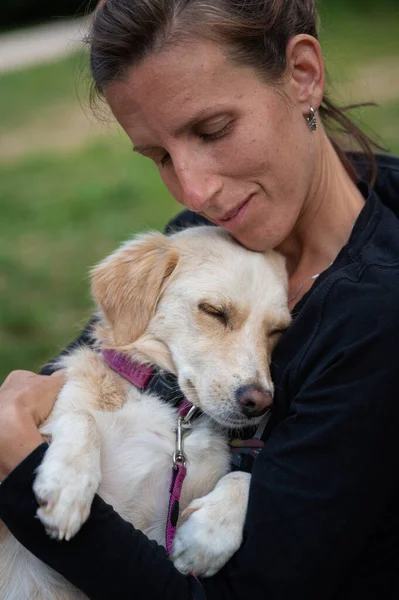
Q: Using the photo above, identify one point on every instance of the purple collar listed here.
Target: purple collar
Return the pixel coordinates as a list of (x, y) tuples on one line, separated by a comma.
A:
[(137, 373), (142, 376)]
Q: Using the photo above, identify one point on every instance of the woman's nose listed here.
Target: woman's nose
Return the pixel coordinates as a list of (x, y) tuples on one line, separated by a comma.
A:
[(199, 188)]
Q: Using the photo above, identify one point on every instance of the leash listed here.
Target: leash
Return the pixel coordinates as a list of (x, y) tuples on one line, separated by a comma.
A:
[(179, 472), (164, 385), (142, 376), (244, 452)]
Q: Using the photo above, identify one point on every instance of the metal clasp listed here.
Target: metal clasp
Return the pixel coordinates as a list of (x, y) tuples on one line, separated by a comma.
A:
[(183, 425), (178, 456), (186, 420)]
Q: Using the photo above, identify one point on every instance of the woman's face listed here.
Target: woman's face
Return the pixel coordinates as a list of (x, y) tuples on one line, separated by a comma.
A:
[(227, 145)]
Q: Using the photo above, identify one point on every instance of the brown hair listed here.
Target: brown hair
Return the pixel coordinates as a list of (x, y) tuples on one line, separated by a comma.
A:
[(254, 32)]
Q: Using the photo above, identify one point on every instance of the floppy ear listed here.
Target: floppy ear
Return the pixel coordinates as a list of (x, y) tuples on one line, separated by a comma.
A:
[(127, 284)]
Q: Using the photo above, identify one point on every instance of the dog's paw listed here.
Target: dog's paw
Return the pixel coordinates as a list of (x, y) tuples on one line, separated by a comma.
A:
[(211, 529), (64, 493)]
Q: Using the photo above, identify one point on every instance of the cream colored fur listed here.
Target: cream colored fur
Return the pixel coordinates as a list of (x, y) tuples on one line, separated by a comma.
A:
[(160, 301)]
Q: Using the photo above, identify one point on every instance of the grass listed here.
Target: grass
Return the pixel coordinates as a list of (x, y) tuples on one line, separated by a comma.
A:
[(63, 211), (28, 93), (352, 38), (60, 215)]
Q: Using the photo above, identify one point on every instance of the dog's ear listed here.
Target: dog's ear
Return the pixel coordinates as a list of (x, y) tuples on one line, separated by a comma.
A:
[(127, 284)]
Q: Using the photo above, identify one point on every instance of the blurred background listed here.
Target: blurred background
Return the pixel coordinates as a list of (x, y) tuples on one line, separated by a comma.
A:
[(70, 186)]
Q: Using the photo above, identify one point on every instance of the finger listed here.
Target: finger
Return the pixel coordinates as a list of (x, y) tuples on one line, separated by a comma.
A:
[(58, 376), (58, 373), (51, 385), (40, 404), (18, 376)]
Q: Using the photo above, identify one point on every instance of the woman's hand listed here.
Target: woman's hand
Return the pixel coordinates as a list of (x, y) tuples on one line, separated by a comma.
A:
[(26, 400)]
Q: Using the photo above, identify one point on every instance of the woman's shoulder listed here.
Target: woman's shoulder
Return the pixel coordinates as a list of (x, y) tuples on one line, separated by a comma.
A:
[(365, 273), (359, 298), (351, 316), (387, 176), (342, 344)]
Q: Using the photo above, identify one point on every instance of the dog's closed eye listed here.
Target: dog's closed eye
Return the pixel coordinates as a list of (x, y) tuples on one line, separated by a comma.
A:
[(216, 312), (277, 331)]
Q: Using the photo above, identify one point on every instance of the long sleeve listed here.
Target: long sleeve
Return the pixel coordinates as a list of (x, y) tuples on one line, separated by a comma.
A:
[(109, 558)]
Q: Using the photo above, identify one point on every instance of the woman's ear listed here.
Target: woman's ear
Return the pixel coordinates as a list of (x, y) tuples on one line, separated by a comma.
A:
[(127, 285), (305, 67)]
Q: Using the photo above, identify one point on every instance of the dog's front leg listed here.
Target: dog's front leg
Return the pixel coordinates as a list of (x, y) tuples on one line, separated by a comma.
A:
[(212, 527), (70, 473)]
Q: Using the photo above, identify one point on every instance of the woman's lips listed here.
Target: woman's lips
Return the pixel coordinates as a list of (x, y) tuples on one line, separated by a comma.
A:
[(235, 217)]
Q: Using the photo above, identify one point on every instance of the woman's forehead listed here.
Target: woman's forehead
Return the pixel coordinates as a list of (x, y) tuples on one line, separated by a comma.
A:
[(177, 70), (181, 84)]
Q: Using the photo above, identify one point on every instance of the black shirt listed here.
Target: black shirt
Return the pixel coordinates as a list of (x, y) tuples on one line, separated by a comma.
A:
[(323, 515)]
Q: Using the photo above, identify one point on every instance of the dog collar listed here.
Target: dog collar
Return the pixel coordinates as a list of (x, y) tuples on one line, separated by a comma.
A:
[(145, 377), (137, 373)]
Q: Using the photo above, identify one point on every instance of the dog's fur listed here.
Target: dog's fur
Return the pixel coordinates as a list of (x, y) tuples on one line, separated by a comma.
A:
[(196, 304)]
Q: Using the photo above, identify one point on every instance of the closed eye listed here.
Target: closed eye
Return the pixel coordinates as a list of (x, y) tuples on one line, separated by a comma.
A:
[(216, 135), (206, 137), (278, 331), (217, 313)]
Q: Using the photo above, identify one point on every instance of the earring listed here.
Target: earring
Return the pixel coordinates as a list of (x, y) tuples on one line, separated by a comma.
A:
[(311, 119)]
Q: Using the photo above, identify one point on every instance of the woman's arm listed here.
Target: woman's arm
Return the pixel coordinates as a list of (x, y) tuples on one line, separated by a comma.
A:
[(106, 543), (107, 559)]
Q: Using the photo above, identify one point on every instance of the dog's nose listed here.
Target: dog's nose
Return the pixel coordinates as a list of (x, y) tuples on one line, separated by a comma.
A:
[(254, 400)]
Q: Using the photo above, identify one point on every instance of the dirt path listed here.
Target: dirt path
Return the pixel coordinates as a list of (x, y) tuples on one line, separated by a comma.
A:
[(33, 45), (60, 129)]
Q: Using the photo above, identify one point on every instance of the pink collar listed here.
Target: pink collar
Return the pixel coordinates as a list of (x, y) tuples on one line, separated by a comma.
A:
[(137, 373)]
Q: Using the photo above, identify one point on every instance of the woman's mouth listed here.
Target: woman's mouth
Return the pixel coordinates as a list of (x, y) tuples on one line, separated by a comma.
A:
[(234, 217)]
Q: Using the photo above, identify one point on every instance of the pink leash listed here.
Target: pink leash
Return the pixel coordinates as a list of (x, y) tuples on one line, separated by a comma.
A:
[(140, 375)]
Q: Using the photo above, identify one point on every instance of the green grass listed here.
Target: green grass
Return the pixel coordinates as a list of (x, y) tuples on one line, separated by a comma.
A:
[(60, 215), (63, 211), (352, 38), (385, 121)]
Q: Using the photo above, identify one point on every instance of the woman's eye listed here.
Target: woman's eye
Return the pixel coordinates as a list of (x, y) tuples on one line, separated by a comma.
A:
[(215, 135), (212, 311)]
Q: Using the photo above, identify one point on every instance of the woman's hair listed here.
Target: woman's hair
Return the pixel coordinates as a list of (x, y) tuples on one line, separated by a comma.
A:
[(254, 33)]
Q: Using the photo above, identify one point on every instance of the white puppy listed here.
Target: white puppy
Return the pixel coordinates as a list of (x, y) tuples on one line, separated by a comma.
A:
[(197, 305)]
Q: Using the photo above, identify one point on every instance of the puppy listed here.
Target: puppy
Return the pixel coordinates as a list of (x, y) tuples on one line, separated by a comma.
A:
[(196, 305)]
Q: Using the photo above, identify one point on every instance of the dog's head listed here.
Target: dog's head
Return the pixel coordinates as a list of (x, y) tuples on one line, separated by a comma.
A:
[(203, 307)]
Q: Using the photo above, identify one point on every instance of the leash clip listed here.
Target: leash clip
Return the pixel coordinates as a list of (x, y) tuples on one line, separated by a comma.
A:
[(179, 458), (183, 424), (187, 418)]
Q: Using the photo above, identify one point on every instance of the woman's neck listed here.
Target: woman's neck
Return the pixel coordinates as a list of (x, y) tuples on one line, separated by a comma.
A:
[(325, 223)]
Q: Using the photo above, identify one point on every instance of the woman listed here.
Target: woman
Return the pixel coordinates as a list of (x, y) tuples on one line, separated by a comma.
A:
[(228, 99)]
